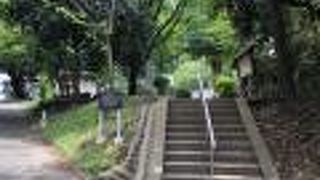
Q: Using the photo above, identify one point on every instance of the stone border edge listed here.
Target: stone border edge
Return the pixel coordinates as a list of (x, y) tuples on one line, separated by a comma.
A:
[(159, 138), (264, 157)]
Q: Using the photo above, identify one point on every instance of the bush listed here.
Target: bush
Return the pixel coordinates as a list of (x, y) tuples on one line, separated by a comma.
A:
[(182, 93), (46, 90), (185, 77), (162, 84), (225, 86)]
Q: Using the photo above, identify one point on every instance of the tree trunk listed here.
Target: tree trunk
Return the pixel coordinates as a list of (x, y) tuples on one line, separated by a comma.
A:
[(276, 13), (133, 76), (61, 86), (17, 83), (76, 83)]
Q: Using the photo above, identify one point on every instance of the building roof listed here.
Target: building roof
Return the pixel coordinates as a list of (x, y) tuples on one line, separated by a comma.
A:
[(244, 51)]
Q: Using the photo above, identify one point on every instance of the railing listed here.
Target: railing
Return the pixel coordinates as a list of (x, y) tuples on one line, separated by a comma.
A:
[(265, 94), (210, 129)]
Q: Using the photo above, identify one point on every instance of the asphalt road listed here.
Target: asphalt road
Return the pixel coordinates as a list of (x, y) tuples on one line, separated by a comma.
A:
[(23, 155)]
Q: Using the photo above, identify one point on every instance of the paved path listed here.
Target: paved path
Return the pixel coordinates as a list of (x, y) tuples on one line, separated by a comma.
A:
[(22, 154)]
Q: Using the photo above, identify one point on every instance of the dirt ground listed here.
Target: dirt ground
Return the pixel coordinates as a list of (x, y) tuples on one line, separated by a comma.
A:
[(292, 132)]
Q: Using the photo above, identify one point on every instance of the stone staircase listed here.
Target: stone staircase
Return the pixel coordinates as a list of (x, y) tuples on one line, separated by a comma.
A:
[(187, 151)]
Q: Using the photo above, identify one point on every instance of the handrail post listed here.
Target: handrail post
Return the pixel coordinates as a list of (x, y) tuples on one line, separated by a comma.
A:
[(210, 129)]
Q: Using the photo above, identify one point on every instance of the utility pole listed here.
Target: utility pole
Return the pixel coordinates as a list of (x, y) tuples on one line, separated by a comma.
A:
[(108, 24), (109, 33), (110, 29)]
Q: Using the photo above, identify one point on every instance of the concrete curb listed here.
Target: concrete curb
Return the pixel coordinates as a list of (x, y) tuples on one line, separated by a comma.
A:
[(155, 166), (143, 159), (268, 169)]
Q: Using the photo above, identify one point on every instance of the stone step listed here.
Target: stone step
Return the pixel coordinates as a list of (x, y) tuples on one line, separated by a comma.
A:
[(200, 110), (179, 120), (199, 120), (196, 102), (187, 150), (196, 115), (204, 167), (225, 156), (199, 128), (219, 105), (203, 135), (244, 145), (212, 105), (199, 107), (245, 156), (195, 145), (180, 145), (189, 176)]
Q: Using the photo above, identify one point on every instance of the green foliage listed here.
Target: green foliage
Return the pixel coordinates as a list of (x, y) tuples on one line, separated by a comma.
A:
[(182, 93), (94, 159), (64, 40), (305, 42), (225, 85), (213, 36), (146, 27), (290, 30), (206, 30), (46, 89), (224, 34), (162, 84), (14, 44), (185, 77), (73, 133), (140, 27), (3, 8), (200, 45)]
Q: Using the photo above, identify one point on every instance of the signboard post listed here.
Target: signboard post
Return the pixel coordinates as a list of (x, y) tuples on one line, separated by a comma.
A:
[(102, 127), (119, 138), (244, 62), (108, 101), (102, 116)]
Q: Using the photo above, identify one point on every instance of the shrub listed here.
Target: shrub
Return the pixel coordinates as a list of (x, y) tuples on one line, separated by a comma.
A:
[(46, 89), (162, 84), (182, 93), (225, 86), (185, 76)]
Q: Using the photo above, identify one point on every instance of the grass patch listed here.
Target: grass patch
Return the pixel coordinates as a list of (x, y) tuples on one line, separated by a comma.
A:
[(73, 133)]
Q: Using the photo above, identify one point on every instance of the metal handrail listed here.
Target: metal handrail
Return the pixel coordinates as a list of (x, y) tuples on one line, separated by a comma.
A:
[(210, 129)]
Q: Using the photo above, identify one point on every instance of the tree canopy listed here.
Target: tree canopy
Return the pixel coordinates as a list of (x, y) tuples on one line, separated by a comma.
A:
[(77, 32), (75, 35)]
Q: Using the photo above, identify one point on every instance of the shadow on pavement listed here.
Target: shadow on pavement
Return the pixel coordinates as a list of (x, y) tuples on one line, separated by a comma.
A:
[(16, 113)]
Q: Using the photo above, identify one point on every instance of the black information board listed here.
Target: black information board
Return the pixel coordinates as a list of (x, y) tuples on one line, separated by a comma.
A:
[(109, 100)]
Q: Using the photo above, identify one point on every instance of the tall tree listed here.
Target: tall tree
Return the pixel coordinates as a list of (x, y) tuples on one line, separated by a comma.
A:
[(277, 14), (267, 19), (145, 25), (79, 24), (16, 49)]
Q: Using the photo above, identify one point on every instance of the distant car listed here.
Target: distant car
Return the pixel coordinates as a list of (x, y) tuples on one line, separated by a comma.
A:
[(5, 87)]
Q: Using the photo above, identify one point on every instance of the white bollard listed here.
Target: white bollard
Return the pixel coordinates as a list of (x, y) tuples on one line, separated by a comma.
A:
[(44, 120)]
